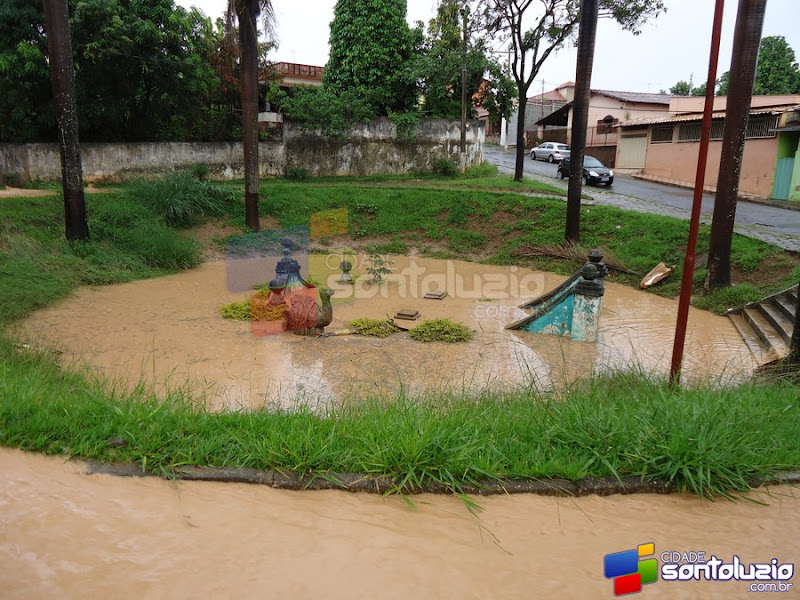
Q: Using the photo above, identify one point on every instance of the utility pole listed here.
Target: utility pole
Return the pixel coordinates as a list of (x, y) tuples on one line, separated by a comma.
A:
[(462, 159)]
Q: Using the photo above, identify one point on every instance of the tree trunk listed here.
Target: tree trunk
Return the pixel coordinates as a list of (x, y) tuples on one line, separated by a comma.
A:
[(746, 41), (520, 162), (62, 79), (248, 38), (794, 345), (587, 33)]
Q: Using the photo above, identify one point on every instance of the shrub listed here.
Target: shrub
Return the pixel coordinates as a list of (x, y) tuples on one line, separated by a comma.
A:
[(297, 173), (377, 267), (201, 172), (159, 246), (379, 328), (441, 330), (180, 198), (237, 311), (445, 166)]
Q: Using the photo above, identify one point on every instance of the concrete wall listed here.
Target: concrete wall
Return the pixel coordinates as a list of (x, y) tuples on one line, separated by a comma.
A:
[(126, 161), (695, 104), (374, 148), (676, 163), (367, 149)]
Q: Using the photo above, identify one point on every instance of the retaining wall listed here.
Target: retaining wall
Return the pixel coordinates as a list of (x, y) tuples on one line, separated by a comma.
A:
[(364, 150)]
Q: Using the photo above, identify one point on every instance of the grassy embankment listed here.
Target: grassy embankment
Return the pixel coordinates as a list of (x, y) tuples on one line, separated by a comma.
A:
[(704, 440)]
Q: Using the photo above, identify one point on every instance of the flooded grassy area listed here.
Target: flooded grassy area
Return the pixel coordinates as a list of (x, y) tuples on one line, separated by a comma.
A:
[(170, 331)]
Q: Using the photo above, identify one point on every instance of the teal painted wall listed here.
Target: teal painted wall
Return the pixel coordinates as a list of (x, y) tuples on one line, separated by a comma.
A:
[(788, 148), (556, 321)]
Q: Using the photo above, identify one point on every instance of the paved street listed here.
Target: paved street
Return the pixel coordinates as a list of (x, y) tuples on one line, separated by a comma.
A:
[(771, 224)]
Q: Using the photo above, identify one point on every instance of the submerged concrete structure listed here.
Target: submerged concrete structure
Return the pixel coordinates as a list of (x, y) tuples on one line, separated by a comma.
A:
[(573, 308)]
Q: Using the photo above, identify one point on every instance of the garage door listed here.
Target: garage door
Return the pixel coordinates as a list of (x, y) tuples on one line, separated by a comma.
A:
[(631, 152)]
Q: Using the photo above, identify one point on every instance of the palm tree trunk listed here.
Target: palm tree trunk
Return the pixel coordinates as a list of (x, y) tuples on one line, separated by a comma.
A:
[(62, 79), (248, 38)]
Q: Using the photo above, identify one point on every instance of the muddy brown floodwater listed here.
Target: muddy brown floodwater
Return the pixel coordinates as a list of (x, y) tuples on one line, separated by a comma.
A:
[(168, 331), (64, 534)]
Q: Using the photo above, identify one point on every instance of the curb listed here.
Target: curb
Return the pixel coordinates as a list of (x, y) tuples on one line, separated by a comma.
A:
[(784, 204), (354, 482)]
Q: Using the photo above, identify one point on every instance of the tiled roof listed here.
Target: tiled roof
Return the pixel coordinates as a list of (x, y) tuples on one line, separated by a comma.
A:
[(640, 97), (551, 95), (717, 114)]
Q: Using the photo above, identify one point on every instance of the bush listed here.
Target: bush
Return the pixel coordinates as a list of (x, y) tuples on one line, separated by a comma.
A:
[(237, 311), (379, 328), (445, 166), (159, 246), (180, 198), (441, 330), (297, 173), (201, 172)]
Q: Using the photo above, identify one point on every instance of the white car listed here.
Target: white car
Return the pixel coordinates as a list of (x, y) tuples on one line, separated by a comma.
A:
[(551, 152)]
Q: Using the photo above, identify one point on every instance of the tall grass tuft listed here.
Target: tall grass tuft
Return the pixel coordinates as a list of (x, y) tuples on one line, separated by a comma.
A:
[(181, 198)]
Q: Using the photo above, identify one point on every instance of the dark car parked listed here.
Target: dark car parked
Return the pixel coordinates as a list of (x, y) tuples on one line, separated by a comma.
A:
[(594, 172)]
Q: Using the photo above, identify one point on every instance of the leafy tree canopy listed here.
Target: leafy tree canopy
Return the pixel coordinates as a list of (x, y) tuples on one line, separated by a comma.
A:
[(777, 71), (371, 52), (143, 71), (439, 70)]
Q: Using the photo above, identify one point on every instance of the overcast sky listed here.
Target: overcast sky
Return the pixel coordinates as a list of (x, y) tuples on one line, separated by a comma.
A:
[(670, 48)]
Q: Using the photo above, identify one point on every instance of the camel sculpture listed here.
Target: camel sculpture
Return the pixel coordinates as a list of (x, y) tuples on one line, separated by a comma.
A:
[(304, 317)]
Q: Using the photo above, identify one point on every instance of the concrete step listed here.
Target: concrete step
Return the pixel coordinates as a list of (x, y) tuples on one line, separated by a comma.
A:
[(780, 323), (760, 351), (764, 331), (787, 305)]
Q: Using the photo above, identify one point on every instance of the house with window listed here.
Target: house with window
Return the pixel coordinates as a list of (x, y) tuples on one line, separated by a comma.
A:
[(538, 107), (666, 149), (607, 109)]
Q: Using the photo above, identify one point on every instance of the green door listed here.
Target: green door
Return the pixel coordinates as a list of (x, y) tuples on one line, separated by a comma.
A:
[(783, 178)]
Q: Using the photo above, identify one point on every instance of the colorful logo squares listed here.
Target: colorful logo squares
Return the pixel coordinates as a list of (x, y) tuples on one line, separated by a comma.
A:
[(629, 571)]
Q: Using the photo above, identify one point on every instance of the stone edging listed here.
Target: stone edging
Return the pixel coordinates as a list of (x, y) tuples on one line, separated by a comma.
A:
[(353, 482)]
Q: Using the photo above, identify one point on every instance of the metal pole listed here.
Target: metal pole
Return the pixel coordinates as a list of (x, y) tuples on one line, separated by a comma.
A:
[(688, 262), (587, 32), (463, 153)]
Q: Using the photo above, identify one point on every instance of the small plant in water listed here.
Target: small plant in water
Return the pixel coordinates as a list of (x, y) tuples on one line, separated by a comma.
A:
[(380, 328), (238, 311), (441, 330), (378, 267)]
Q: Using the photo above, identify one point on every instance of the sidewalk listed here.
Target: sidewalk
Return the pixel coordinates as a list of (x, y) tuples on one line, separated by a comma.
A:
[(785, 204)]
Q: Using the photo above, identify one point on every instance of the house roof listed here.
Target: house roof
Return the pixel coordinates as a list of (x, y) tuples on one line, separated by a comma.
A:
[(641, 97), (717, 114), (553, 95), (559, 117)]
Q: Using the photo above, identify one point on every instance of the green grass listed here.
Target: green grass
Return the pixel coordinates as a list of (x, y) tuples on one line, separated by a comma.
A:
[(133, 237), (707, 441)]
